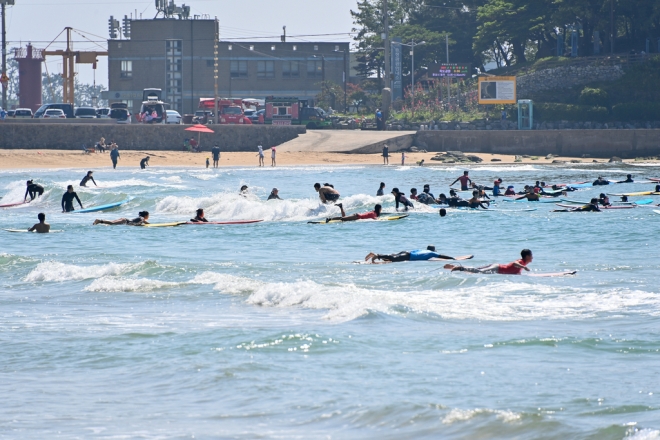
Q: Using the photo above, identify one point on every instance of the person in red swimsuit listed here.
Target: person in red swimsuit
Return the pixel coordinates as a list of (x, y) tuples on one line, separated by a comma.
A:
[(371, 215), (464, 179), (513, 268)]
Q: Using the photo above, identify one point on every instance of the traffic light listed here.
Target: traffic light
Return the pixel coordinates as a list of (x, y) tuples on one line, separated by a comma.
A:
[(112, 27), (126, 27)]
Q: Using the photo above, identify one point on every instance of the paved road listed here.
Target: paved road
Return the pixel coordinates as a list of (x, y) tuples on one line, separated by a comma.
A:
[(339, 140)]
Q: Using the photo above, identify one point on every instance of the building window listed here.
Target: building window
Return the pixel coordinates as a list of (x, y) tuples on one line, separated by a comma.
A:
[(229, 47), (238, 69), (316, 47), (126, 69), (295, 47), (251, 47), (314, 69), (290, 69), (265, 69), (272, 47)]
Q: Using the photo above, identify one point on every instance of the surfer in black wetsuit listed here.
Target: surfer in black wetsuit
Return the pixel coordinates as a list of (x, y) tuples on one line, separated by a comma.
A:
[(67, 199), (142, 218), (591, 207), (199, 218), (87, 178), (33, 189), (144, 162), (629, 179), (400, 198), (601, 181), (604, 200)]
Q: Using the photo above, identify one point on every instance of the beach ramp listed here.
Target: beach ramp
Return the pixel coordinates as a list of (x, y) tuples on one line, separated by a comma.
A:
[(348, 141)]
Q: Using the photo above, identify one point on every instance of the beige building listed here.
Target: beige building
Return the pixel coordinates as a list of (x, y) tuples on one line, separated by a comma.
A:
[(178, 57)]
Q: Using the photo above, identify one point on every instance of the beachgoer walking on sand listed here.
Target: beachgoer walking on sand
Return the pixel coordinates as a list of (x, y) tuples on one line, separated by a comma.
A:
[(114, 155), (215, 151), (261, 155), (273, 152), (403, 158), (386, 155)]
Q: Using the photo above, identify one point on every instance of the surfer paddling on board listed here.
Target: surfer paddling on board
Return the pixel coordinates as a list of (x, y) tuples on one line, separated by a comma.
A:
[(327, 193), (464, 179), (67, 199), (592, 206), (199, 218), (142, 218), (513, 268), (42, 227), (87, 178), (371, 215), (416, 255)]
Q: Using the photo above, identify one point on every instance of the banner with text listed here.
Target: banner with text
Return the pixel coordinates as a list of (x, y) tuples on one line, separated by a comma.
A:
[(449, 70), (397, 80)]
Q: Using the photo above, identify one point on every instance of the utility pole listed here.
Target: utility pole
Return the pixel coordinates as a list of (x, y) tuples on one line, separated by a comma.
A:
[(386, 41), (215, 69), (448, 79), (3, 78), (612, 27)]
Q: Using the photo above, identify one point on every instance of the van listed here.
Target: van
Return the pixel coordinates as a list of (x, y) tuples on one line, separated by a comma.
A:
[(119, 112), (66, 108)]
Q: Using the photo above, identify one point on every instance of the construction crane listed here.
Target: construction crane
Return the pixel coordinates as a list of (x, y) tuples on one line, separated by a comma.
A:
[(69, 58)]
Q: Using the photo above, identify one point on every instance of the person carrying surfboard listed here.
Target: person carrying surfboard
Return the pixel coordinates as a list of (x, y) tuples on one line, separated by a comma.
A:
[(33, 190), (67, 199), (373, 215), (464, 179), (42, 227), (513, 268), (87, 178), (327, 194), (415, 255), (140, 220)]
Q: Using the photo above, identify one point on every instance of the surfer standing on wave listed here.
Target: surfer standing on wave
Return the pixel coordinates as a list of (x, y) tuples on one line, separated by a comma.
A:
[(513, 268), (33, 190)]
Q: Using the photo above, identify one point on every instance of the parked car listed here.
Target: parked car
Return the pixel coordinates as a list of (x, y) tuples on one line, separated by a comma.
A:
[(66, 108), (103, 113), (119, 111), (11, 113), (254, 117), (202, 117), (54, 113), (85, 113), (173, 117), (23, 113)]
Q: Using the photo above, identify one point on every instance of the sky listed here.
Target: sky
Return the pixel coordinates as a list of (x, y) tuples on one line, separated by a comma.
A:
[(40, 21)]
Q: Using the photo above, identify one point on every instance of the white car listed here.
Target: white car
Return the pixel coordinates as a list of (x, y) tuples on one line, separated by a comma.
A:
[(173, 117), (23, 113), (54, 113), (103, 113)]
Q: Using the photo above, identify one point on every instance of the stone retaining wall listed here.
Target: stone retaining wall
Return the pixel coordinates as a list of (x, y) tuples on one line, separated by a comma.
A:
[(142, 137), (575, 143), (566, 77)]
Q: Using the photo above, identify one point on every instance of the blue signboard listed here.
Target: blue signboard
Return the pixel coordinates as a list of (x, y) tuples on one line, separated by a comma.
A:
[(397, 81)]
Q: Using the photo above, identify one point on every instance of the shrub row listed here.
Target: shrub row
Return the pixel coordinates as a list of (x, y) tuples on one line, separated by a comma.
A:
[(569, 112)]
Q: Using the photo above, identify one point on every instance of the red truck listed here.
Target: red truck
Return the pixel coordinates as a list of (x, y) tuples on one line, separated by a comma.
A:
[(231, 110)]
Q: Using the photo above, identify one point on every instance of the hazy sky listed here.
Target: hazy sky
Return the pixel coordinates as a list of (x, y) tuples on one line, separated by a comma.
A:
[(39, 22)]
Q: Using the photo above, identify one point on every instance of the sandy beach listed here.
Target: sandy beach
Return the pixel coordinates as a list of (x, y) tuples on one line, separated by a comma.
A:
[(17, 159)]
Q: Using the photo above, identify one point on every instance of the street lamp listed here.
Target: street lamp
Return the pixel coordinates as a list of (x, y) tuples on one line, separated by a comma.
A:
[(412, 46)]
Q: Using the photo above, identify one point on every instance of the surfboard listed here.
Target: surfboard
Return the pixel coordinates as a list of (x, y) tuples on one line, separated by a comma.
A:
[(380, 219), (657, 211), (462, 257), (9, 205), (541, 200), (105, 207), (652, 179), (601, 207), (635, 194), (580, 185), (33, 232), (566, 184), (231, 222), (163, 225), (552, 274), (506, 210)]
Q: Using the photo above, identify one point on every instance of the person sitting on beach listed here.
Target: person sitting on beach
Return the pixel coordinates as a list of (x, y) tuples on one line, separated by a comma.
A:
[(510, 191), (604, 200), (87, 178), (513, 268), (381, 189), (601, 181), (464, 179), (592, 206), (194, 146), (327, 193), (42, 227), (629, 179), (415, 255), (144, 163), (274, 195), (100, 145), (199, 218), (371, 215), (142, 218), (67, 199), (400, 199), (33, 190)]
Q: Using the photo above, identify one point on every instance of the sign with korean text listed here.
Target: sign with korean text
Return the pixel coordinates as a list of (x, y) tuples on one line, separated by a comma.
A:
[(497, 90)]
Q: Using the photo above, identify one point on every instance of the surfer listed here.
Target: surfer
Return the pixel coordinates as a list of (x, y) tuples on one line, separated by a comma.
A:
[(415, 255), (144, 163), (87, 178), (244, 191), (531, 195), (386, 155), (510, 191), (426, 197), (327, 193), (592, 206), (464, 179), (604, 200), (274, 195), (475, 202), (199, 218), (413, 194), (657, 188), (371, 215), (114, 155), (629, 179), (443, 212), (400, 198), (215, 151), (381, 189), (142, 218), (496, 188), (601, 181), (42, 227), (513, 268), (67, 199), (33, 190)]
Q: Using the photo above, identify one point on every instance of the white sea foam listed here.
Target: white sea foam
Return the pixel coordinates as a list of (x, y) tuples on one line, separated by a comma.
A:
[(112, 284), (172, 179), (644, 434), (53, 271), (462, 415)]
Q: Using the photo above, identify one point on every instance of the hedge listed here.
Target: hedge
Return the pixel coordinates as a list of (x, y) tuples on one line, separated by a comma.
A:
[(569, 112), (636, 111)]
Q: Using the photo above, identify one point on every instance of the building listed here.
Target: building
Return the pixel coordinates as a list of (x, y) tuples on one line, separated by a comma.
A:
[(177, 56)]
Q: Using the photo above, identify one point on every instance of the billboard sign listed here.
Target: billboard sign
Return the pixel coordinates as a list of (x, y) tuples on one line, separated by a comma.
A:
[(449, 70), (397, 82), (497, 90)]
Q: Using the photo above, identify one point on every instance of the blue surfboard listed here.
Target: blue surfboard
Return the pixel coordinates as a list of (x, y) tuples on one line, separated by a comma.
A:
[(103, 207)]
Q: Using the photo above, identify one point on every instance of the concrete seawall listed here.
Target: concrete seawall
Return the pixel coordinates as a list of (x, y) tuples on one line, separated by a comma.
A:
[(575, 143), (142, 137)]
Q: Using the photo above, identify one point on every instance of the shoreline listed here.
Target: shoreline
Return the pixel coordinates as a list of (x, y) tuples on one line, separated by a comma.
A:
[(49, 159)]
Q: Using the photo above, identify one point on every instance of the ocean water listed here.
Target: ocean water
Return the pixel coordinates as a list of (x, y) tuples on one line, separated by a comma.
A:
[(271, 330)]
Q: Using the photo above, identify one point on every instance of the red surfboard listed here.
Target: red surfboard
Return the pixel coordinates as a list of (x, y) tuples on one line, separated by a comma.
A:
[(9, 205)]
